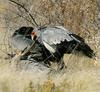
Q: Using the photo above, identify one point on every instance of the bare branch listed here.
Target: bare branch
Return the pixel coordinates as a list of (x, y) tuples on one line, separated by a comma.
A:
[(26, 11), (19, 15)]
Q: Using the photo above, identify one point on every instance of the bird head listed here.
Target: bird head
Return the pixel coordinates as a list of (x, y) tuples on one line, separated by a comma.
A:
[(24, 30)]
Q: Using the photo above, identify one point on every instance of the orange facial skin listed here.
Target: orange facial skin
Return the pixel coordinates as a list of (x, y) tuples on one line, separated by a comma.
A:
[(34, 35)]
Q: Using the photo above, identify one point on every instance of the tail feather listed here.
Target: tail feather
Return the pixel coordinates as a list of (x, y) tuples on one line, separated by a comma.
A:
[(86, 50), (69, 47)]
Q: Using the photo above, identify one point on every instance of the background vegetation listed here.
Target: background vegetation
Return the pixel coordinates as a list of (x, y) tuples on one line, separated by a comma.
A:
[(80, 16)]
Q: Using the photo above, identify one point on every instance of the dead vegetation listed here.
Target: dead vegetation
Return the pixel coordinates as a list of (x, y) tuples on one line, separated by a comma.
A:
[(80, 16)]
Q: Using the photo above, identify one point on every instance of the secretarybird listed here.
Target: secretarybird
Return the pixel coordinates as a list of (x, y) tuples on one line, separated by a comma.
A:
[(58, 40), (54, 42)]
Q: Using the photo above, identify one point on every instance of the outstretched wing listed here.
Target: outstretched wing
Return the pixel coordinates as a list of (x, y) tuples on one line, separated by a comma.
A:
[(20, 42), (55, 35)]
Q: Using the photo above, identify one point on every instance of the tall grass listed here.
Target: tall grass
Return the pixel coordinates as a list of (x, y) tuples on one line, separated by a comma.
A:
[(81, 75)]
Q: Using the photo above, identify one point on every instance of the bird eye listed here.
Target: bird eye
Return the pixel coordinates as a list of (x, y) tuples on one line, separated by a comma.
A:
[(33, 33)]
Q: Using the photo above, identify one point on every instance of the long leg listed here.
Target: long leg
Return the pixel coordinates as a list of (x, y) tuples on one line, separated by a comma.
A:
[(61, 64)]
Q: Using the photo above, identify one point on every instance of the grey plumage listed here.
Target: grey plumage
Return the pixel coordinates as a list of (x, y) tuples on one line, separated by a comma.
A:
[(59, 37), (21, 38), (51, 36), (20, 42)]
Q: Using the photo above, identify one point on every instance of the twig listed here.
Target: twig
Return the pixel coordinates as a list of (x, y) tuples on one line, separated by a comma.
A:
[(19, 16), (8, 54), (28, 49), (26, 11)]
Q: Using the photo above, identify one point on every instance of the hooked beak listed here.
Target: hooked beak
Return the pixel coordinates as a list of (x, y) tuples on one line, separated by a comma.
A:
[(33, 35)]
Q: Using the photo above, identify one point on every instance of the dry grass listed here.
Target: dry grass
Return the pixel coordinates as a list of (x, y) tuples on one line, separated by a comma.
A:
[(81, 75)]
